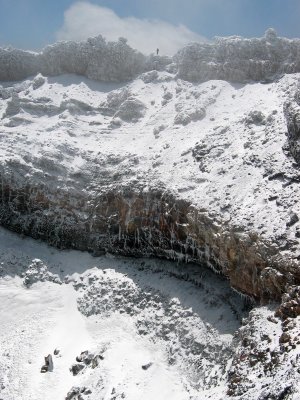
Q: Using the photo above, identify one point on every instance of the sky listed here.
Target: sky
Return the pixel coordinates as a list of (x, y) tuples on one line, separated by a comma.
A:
[(147, 24)]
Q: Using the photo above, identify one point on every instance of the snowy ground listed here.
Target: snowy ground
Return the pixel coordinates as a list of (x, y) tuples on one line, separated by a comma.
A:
[(138, 313)]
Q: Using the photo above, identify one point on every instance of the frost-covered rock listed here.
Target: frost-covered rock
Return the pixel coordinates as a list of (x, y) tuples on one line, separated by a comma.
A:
[(13, 106), (234, 58), (6, 93), (167, 96), (151, 76), (264, 365), (75, 106), (78, 393), (38, 272), (123, 106), (38, 81), (237, 59), (255, 117), (94, 58), (18, 64), (158, 63), (114, 100), (131, 110), (186, 116), (114, 61)]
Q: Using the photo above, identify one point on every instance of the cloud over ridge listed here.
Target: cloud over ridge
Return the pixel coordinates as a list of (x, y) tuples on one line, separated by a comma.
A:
[(84, 19)]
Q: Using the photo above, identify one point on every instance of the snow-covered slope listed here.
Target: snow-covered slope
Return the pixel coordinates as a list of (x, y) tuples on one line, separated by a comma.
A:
[(156, 166)]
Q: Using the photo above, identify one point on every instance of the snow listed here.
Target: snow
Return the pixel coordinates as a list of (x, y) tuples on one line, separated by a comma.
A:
[(46, 317), (221, 147)]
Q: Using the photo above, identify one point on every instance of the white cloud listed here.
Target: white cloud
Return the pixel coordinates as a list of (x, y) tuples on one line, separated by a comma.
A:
[(83, 20)]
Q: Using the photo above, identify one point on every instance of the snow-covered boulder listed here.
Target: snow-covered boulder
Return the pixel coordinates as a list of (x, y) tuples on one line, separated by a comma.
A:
[(131, 110), (38, 81), (38, 272), (187, 116), (13, 106)]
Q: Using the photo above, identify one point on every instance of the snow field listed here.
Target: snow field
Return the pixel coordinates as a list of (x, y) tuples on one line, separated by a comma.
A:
[(133, 312)]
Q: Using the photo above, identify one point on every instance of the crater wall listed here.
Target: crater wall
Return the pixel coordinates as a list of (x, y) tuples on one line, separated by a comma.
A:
[(136, 223)]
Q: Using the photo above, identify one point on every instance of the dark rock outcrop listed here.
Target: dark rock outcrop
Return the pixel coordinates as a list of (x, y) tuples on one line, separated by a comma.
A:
[(290, 306), (84, 360), (48, 366), (77, 393), (76, 368), (292, 114)]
